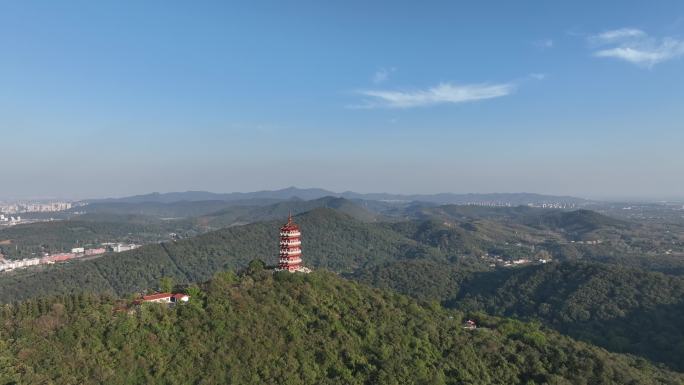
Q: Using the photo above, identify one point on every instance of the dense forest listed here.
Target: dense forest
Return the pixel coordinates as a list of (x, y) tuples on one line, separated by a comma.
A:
[(332, 240), (621, 309), (639, 243), (431, 259), (265, 328), (149, 222), (509, 232)]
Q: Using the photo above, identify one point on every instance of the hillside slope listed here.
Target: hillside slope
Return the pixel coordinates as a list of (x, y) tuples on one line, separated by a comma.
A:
[(265, 328), (250, 214), (246, 211), (624, 310), (331, 239), (30, 240), (576, 223)]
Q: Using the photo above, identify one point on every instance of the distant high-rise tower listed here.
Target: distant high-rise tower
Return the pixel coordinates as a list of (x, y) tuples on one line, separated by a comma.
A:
[(290, 258)]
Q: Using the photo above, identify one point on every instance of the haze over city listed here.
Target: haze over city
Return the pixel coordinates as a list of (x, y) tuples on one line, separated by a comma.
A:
[(113, 99)]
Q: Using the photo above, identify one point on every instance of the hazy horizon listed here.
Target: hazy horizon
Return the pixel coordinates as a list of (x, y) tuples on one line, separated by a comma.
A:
[(117, 99), (624, 198)]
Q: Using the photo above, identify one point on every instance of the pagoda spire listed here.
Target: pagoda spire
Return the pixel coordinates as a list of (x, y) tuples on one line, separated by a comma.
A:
[(290, 256)]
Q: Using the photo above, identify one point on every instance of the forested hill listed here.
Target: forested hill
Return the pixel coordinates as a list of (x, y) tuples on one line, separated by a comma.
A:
[(30, 240), (265, 328), (575, 223), (218, 213), (624, 310), (250, 214), (430, 259), (145, 223), (331, 239), (621, 309)]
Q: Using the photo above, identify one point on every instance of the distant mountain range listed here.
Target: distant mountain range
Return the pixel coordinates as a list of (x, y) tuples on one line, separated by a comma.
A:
[(269, 196)]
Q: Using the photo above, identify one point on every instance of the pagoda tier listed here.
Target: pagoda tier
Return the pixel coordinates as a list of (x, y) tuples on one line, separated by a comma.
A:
[(290, 257)]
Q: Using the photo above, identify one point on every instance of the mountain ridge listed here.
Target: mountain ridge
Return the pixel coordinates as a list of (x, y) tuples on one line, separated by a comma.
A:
[(315, 193)]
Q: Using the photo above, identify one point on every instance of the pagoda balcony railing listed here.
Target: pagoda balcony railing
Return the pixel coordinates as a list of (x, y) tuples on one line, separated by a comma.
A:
[(291, 243), (290, 233), (290, 252)]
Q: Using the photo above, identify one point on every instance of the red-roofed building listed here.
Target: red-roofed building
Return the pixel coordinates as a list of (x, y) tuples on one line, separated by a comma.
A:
[(470, 325), (178, 297), (159, 297), (166, 298)]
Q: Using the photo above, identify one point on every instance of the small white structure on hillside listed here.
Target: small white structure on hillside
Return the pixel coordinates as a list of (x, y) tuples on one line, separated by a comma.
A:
[(165, 298)]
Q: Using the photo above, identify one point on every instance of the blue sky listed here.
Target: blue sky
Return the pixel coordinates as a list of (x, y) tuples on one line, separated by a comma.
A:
[(114, 98)]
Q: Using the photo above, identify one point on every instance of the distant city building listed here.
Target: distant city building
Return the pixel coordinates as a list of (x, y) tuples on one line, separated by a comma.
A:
[(29, 207), (59, 257), (521, 261), (97, 251), (553, 205), (118, 248), (7, 265)]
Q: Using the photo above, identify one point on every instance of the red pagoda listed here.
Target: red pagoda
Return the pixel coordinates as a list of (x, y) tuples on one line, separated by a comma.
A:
[(290, 258)]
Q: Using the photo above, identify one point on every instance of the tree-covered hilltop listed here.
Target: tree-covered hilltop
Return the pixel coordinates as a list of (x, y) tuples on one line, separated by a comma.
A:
[(215, 213), (331, 240), (427, 259), (265, 328), (451, 231), (473, 238), (621, 309), (241, 215), (578, 234), (149, 222)]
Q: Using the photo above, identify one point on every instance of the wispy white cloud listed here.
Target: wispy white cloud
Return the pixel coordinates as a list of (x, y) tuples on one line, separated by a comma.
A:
[(439, 94), (537, 76), (544, 43), (648, 56), (636, 46), (382, 75), (617, 34)]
